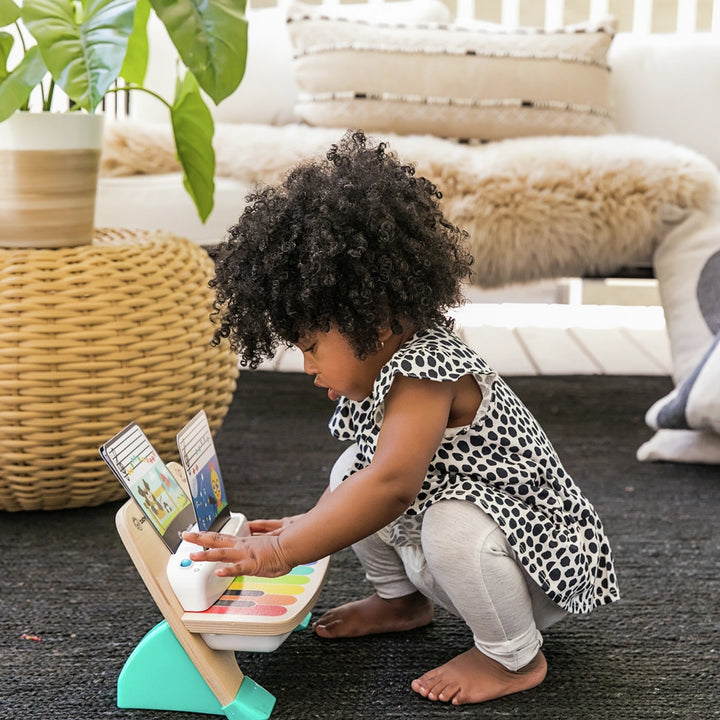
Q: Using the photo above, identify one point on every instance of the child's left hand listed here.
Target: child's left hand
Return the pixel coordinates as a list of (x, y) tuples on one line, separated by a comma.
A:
[(260, 555)]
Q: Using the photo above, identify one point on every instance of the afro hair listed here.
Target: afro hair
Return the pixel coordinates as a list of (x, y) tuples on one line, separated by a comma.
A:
[(354, 240)]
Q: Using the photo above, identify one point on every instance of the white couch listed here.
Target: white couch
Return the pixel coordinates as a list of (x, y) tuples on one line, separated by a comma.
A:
[(663, 86), (643, 191)]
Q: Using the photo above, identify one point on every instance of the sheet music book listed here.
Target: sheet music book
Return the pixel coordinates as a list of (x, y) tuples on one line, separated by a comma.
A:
[(145, 477), (200, 461)]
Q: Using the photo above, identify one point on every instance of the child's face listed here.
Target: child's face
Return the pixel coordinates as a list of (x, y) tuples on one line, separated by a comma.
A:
[(330, 357)]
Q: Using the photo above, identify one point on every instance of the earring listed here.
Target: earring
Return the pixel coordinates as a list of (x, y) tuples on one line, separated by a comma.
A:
[(382, 344)]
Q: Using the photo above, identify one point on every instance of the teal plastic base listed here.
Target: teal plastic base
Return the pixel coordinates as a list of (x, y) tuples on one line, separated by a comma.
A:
[(159, 675), (304, 624)]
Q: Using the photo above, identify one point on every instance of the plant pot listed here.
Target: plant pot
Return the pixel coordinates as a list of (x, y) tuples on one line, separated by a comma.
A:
[(49, 166)]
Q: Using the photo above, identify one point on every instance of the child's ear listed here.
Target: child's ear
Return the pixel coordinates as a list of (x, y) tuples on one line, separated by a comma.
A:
[(384, 334)]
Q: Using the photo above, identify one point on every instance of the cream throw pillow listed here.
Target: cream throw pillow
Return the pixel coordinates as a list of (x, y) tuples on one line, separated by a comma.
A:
[(450, 81)]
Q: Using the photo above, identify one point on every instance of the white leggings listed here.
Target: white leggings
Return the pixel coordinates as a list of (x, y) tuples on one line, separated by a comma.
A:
[(465, 564)]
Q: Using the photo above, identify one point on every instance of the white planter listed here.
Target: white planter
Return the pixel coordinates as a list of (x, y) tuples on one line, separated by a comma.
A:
[(49, 166)]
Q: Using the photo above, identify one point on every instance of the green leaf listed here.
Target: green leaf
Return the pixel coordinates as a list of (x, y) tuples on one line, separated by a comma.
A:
[(84, 54), (193, 129), (211, 37), (9, 12), (6, 43), (136, 59), (15, 89)]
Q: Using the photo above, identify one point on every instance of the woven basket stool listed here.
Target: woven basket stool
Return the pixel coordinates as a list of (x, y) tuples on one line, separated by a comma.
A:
[(92, 337)]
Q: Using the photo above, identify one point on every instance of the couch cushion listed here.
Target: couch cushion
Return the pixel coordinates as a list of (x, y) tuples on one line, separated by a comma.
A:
[(477, 83), (667, 85), (161, 201)]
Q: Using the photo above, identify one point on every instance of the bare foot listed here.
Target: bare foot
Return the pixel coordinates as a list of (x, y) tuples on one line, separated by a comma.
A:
[(473, 678), (375, 615)]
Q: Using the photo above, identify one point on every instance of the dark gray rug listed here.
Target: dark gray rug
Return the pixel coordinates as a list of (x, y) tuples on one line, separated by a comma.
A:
[(65, 577)]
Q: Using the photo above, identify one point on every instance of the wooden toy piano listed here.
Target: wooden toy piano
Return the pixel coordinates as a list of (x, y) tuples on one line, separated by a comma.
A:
[(187, 662)]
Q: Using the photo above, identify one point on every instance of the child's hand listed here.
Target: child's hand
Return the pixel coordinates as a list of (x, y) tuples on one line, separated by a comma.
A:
[(255, 555)]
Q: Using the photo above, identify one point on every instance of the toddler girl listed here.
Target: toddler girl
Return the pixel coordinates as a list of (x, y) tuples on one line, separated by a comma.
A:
[(450, 494)]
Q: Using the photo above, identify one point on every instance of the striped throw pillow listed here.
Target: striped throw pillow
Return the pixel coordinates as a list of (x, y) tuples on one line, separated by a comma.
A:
[(473, 84)]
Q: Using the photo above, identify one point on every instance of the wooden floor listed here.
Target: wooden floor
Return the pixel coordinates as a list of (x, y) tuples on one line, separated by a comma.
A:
[(542, 337)]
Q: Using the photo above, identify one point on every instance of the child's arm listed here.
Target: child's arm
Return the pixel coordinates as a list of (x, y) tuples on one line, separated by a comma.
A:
[(416, 414)]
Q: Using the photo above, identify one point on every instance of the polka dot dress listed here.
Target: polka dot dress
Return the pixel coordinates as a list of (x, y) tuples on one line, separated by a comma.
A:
[(503, 462)]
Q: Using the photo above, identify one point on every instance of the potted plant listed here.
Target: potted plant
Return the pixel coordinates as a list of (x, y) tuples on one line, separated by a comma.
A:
[(91, 48)]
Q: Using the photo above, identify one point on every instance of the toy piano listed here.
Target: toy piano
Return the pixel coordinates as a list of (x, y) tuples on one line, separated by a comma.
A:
[(187, 662)]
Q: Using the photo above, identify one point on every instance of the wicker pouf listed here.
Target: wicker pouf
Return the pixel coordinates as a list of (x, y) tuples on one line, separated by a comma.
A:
[(92, 337)]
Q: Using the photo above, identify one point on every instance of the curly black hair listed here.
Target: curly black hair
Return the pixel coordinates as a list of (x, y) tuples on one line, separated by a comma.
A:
[(354, 240)]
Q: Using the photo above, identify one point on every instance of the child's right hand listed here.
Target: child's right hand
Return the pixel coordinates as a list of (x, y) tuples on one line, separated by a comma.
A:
[(261, 555), (272, 527)]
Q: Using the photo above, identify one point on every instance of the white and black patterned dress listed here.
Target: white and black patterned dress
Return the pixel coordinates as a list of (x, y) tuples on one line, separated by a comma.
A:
[(503, 462)]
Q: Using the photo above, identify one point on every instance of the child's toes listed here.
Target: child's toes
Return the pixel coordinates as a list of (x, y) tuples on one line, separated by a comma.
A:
[(421, 686), (436, 686), (429, 686), (448, 691)]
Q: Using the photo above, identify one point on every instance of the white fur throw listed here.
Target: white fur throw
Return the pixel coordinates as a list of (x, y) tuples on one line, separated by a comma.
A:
[(534, 207)]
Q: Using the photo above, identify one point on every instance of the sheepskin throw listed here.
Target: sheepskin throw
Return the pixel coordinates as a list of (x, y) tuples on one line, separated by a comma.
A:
[(533, 207)]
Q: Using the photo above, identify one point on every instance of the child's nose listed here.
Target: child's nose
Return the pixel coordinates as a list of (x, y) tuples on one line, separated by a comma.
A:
[(309, 365)]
